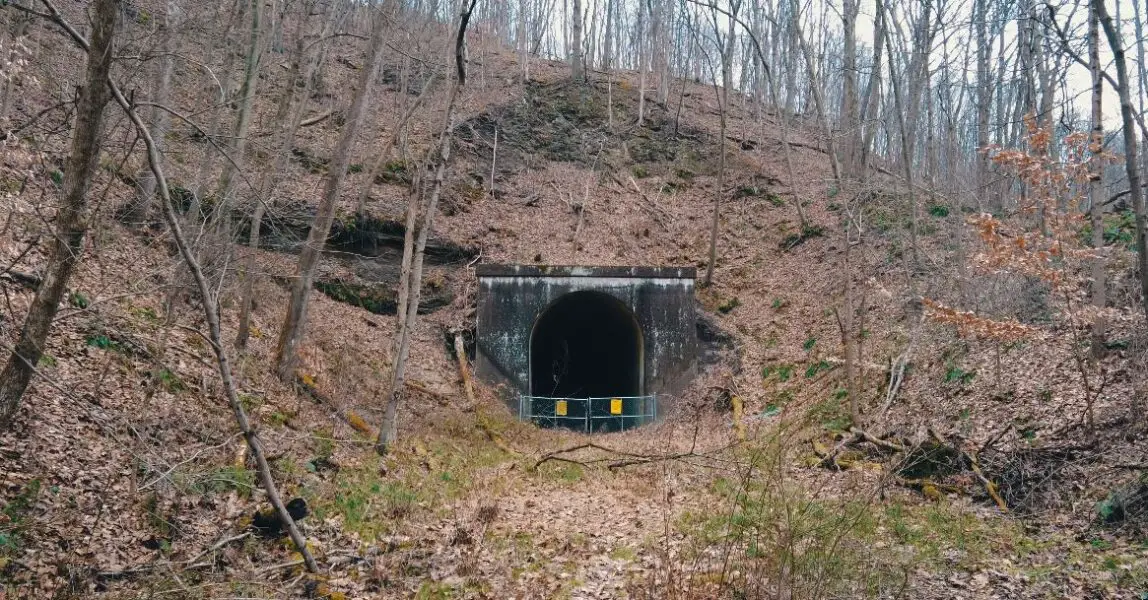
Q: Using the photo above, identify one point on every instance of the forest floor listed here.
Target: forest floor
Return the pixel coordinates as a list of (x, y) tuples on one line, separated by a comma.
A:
[(123, 476)]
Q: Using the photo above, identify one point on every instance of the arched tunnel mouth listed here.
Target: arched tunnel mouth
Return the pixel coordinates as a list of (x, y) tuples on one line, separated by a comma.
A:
[(586, 362)]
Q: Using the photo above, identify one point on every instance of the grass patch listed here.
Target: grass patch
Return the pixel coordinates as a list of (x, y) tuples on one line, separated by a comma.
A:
[(851, 546), (625, 553), (831, 414), (941, 534), (763, 524), (939, 210), (728, 305), (417, 479), (218, 481), (77, 299), (820, 366), (16, 514), (168, 380), (807, 233), (103, 342), (564, 472), (783, 371), (957, 374)]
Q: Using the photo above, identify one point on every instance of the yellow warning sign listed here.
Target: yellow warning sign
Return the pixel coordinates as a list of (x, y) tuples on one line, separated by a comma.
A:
[(615, 406), (560, 408)]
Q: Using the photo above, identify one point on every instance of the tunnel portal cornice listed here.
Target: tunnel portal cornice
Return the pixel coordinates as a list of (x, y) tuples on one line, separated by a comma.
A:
[(548, 271)]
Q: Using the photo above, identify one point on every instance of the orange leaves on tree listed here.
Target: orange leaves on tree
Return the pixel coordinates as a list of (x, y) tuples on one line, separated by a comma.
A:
[(969, 324), (1052, 181)]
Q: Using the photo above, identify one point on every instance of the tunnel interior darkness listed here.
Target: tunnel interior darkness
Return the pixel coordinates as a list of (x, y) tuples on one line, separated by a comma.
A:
[(587, 344)]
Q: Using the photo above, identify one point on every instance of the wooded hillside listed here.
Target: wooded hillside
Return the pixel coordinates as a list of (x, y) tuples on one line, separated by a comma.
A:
[(239, 242)]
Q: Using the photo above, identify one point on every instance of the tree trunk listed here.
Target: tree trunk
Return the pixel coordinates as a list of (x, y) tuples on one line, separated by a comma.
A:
[(872, 92), (608, 42), (849, 87), (246, 107), (1131, 162), (290, 114), (72, 220), (848, 338), (215, 336), (385, 154), (160, 119), (1096, 186), (410, 283), (295, 322), (577, 66), (727, 49), (224, 89), (641, 42), (907, 110), (984, 97), (818, 100)]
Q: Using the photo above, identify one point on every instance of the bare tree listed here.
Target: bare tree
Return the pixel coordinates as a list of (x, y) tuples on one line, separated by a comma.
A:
[(849, 86), (1096, 186), (725, 35), (577, 64), (420, 212), (1131, 162), (73, 219), (984, 94), (908, 108), (870, 100), (384, 155), (295, 322), (207, 299), (160, 118), (816, 91), (289, 112), (247, 93)]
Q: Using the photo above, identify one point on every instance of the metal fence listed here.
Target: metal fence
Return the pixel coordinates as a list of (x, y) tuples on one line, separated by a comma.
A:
[(589, 414)]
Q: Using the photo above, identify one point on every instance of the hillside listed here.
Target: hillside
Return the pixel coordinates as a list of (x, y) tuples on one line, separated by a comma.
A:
[(123, 475)]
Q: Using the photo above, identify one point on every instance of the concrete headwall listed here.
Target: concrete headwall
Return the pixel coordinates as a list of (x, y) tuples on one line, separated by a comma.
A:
[(511, 298)]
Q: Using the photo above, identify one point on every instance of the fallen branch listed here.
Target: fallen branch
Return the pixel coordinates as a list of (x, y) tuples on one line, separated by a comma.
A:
[(872, 366), (27, 280), (626, 458), (217, 546), (443, 399), (876, 441), (316, 119), (648, 460), (858, 435), (975, 466), (897, 368), (286, 565)]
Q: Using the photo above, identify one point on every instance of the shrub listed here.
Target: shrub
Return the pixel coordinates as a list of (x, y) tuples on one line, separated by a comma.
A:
[(939, 210)]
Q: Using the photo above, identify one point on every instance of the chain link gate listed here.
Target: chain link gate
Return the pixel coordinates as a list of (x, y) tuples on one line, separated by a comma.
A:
[(589, 415)]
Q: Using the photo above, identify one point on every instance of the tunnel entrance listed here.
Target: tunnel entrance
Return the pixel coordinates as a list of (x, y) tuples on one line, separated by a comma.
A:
[(587, 348)]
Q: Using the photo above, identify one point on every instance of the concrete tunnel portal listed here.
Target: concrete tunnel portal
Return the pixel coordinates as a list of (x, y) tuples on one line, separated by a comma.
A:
[(587, 348)]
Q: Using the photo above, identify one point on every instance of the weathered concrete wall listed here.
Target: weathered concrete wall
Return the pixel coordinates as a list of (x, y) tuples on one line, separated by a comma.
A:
[(511, 298)]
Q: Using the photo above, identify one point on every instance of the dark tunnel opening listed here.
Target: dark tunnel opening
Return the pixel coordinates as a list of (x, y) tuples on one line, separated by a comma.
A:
[(587, 345)]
